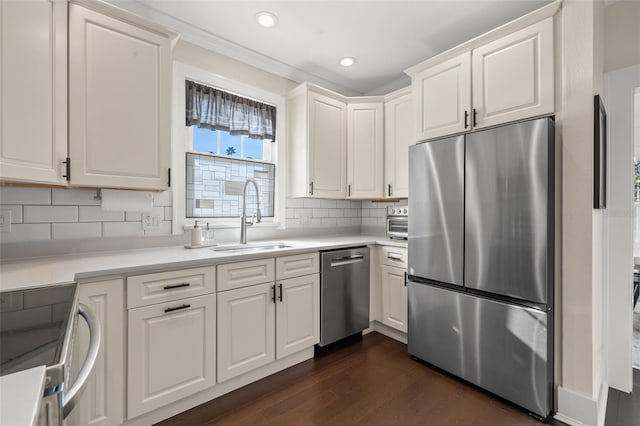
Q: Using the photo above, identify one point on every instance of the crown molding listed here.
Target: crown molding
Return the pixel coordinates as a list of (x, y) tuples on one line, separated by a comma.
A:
[(210, 41)]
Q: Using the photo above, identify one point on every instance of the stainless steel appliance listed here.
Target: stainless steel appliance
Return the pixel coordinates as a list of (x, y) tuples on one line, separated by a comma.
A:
[(344, 293), (39, 328), (398, 222), (481, 237)]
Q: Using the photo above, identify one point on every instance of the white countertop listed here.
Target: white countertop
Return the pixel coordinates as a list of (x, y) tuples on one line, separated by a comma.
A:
[(20, 396), (16, 275)]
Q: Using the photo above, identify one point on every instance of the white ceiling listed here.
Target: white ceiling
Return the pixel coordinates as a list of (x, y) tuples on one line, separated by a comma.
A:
[(386, 37)]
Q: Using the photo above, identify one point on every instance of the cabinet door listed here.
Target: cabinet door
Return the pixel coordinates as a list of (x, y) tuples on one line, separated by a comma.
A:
[(327, 147), (171, 352), (33, 88), (246, 329), (297, 314), (364, 150), (399, 127), (443, 97), (102, 401), (394, 298), (513, 76), (119, 103)]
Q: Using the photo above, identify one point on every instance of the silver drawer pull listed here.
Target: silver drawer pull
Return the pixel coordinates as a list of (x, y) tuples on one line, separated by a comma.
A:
[(177, 308), (172, 286), (394, 256)]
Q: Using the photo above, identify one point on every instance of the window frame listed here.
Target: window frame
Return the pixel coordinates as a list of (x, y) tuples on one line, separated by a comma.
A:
[(182, 142)]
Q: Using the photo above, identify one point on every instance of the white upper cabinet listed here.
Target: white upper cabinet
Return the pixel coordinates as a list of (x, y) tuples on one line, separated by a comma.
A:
[(119, 102), (365, 150), (513, 76), (399, 133), (318, 144), (443, 97), (33, 88)]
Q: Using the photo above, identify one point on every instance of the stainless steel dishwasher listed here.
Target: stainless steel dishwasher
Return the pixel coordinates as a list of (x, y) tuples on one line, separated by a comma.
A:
[(344, 293)]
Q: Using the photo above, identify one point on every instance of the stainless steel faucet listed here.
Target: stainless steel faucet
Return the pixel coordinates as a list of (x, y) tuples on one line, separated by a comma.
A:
[(243, 218)]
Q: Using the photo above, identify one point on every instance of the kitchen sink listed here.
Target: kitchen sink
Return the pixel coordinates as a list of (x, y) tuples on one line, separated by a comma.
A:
[(250, 248)]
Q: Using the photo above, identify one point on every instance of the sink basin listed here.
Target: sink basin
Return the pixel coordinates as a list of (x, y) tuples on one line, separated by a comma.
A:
[(250, 248)]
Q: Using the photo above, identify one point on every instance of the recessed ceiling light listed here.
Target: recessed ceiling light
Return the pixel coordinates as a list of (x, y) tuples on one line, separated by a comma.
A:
[(266, 19), (347, 61)]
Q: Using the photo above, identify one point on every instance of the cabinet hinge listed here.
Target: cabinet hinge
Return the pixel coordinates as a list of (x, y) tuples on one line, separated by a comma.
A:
[(67, 174), (169, 177)]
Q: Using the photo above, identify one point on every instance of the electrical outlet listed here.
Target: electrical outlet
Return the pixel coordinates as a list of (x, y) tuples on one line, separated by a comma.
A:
[(5, 220), (150, 222)]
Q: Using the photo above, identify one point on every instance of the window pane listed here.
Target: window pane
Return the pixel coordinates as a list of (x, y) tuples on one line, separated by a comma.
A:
[(204, 140), (214, 186), (230, 144), (253, 148)]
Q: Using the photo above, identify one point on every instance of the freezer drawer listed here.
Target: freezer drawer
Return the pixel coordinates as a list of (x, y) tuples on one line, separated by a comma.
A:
[(503, 348), (344, 293)]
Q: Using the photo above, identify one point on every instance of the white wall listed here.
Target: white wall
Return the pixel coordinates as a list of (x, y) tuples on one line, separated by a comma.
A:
[(622, 36), (619, 93), (582, 391)]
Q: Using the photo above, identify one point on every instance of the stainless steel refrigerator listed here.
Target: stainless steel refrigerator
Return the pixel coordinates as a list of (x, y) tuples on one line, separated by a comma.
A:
[(481, 241)]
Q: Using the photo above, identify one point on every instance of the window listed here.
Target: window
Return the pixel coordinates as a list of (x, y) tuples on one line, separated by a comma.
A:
[(231, 138), (201, 151)]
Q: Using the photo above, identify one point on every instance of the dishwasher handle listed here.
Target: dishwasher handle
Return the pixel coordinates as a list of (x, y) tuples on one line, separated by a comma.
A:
[(347, 260), (70, 398)]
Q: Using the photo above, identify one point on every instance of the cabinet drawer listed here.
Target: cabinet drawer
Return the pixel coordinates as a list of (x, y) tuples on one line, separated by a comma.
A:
[(297, 265), (394, 256), (242, 274), (143, 290)]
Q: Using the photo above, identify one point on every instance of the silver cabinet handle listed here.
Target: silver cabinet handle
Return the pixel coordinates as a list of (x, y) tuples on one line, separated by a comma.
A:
[(70, 398)]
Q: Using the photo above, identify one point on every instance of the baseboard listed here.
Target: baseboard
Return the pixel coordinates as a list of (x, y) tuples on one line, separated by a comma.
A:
[(387, 331), (578, 410)]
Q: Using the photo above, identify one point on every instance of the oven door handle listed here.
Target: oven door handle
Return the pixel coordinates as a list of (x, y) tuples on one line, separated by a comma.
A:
[(70, 397)]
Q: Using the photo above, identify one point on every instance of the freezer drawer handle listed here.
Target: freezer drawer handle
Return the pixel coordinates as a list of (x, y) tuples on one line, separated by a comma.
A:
[(172, 286), (177, 308), (347, 260)]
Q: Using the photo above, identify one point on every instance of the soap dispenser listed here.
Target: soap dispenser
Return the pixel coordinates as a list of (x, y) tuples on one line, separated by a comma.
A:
[(196, 235)]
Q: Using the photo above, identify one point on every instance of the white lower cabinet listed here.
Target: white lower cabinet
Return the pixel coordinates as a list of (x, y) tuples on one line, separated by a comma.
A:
[(246, 329), (102, 401), (394, 298), (261, 323), (171, 352), (297, 314)]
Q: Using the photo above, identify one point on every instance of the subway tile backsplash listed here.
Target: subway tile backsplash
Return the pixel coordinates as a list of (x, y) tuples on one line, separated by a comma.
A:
[(40, 214)]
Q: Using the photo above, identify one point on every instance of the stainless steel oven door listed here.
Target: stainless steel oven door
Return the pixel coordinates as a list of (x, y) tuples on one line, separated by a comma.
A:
[(60, 396), (398, 227)]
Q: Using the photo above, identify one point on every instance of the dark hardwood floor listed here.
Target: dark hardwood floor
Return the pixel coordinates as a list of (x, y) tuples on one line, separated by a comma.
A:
[(370, 381), (624, 409)]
